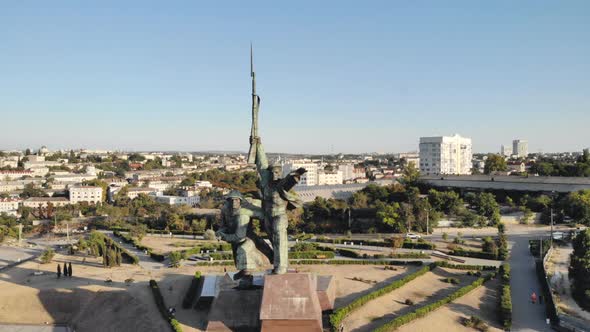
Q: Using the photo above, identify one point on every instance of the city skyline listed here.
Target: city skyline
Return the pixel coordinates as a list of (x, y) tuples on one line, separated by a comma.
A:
[(336, 78)]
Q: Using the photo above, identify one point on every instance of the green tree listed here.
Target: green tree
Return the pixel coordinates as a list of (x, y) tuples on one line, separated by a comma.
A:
[(577, 205), (494, 163), (579, 269), (138, 231), (410, 175), (485, 205), (175, 258), (388, 215), (47, 256)]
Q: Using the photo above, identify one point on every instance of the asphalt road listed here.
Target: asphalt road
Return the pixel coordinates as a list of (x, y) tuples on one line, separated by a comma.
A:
[(526, 316)]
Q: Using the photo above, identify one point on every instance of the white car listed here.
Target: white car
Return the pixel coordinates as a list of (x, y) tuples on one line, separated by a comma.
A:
[(412, 236)]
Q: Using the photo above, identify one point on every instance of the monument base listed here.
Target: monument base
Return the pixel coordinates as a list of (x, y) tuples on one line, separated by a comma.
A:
[(285, 302)]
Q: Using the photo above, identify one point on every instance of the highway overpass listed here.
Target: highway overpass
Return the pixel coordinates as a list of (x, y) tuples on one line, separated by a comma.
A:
[(516, 183)]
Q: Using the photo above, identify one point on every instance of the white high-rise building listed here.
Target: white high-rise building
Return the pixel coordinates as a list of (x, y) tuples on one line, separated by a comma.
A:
[(506, 151), (445, 155), (520, 148), (310, 178), (347, 171)]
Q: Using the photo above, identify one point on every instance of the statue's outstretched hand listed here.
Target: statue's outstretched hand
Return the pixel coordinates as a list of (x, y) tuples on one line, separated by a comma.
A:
[(300, 171)]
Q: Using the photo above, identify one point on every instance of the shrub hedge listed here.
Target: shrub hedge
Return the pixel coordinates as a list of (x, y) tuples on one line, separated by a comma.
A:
[(313, 254), (465, 267), (506, 307), (162, 306), (424, 310), (473, 254), (408, 244), (192, 291), (339, 315), (325, 261)]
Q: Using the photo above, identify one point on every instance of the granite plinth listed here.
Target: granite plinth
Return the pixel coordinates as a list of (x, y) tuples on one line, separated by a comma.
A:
[(235, 310), (290, 303), (326, 290)]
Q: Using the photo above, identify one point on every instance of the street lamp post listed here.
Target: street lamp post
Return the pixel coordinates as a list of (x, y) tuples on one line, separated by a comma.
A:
[(427, 220)]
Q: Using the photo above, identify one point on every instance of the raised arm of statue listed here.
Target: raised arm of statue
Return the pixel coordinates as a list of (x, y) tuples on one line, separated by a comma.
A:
[(262, 165)]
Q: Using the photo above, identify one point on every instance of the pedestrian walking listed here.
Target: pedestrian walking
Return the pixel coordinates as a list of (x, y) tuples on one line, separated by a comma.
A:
[(534, 298)]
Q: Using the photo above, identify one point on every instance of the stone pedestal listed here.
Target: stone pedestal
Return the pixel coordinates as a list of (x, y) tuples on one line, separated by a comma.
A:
[(235, 310), (290, 303), (287, 302)]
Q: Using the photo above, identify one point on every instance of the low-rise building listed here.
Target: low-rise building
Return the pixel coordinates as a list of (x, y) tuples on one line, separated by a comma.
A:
[(9, 205), (13, 175), (329, 178), (89, 194), (134, 192), (178, 200), (36, 202)]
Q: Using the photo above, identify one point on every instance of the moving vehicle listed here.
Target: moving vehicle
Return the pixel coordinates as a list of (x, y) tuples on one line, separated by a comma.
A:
[(412, 236)]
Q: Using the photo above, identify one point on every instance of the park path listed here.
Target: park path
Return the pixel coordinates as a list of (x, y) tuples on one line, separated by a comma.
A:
[(525, 315)]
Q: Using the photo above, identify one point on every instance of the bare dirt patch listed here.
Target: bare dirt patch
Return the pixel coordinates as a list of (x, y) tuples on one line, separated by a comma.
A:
[(481, 302), (424, 289), (165, 245), (85, 301)]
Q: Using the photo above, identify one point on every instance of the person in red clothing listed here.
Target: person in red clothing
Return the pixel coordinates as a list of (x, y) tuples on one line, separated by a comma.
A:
[(534, 298)]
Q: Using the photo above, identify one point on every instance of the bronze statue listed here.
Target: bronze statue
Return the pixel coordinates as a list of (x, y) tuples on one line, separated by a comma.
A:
[(248, 249), (276, 198), (271, 210)]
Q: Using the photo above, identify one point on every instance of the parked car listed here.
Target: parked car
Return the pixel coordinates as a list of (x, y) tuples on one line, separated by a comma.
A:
[(412, 236)]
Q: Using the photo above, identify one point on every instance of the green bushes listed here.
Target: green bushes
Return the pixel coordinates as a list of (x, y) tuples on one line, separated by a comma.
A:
[(475, 323), (473, 254), (465, 267), (348, 253), (338, 316), (47, 256), (192, 291), (506, 307), (423, 311), (355, 254), (449, 280), (505, 311), (162, 306), (221, 256), (326, 261), (314, 254), (505, 273), (175, 258), (409, 244), (416, 255), (157, 257)]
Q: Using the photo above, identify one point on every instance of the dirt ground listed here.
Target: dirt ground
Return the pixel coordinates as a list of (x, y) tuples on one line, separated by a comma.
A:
[(424, 289), (164, 245), (85, 301), (174, 287), (481, 302), (557, 269)]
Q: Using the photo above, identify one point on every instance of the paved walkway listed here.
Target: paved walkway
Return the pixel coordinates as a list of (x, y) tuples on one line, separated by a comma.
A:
[(525, 315), (33, 328)]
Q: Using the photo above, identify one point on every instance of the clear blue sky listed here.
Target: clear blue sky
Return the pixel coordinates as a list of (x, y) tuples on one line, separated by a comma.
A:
[(341, 76)]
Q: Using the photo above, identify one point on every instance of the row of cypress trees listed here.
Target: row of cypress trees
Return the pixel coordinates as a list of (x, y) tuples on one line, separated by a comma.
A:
[(67, 270)]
